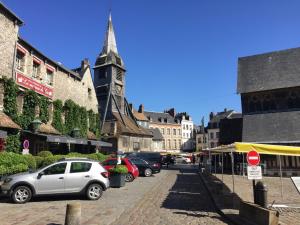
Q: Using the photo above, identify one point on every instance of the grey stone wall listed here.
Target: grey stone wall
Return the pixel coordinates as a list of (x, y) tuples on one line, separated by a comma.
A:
[(8, 38), (67, 87), (145, 143)]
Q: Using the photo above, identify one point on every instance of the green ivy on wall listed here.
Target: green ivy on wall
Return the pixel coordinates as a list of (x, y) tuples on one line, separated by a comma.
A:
[(94, 122), (83, 121), (13, 143), (44, 112), (10, 99), (75, 116), (98, 125), (31, 100), (57, 122)]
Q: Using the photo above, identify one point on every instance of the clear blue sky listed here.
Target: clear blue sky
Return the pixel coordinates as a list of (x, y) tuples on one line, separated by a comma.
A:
[(178, 53)]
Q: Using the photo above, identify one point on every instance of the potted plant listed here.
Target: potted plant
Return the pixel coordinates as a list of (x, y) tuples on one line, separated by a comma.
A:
[(117, 176)]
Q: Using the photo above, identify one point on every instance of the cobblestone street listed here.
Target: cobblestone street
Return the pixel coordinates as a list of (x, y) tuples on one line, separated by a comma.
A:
[(175, 196)]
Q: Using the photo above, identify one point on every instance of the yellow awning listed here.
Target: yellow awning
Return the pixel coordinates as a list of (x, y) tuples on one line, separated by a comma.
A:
[(267, 149)]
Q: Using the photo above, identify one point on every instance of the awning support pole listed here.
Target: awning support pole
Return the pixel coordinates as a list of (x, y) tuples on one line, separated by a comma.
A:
[(243, 164), (222, 167), (232, 169), (280, 176), (215, 165), (209, 159)]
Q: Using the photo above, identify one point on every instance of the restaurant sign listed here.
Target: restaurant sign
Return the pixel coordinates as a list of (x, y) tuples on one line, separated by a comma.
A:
[(29, 83)]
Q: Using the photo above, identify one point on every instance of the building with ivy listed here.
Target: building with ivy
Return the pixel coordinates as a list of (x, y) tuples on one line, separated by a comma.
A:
[(37, 97)]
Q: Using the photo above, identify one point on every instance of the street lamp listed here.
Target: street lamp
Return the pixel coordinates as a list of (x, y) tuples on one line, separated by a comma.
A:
[(76, 132), (36, 125)]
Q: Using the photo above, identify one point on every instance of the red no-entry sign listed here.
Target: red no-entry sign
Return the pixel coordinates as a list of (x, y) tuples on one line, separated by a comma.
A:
[(253, 158)]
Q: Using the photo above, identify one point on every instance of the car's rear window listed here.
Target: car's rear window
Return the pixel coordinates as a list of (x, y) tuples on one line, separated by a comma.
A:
[(80, 167)]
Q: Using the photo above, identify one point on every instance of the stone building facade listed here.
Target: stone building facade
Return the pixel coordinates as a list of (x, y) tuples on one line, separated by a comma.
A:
[(187, 134), (32, 69), (9, 29), (201, 138), (213, 128), (54, 80), (169, 127)]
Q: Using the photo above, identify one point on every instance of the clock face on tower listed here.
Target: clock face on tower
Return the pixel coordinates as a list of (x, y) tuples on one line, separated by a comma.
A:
[(118, 90)]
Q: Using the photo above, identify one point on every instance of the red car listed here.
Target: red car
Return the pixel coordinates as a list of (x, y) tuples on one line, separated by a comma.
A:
[(133, 171)]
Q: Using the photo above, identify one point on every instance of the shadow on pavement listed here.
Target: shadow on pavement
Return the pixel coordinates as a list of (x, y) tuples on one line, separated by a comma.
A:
[(221, 193), (189, 195)]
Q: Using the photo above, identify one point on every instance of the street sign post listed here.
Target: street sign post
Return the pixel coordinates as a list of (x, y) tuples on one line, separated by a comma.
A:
[(253, 171)]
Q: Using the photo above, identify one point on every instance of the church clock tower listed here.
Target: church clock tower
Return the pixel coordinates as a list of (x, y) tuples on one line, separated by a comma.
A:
[(109, 77)]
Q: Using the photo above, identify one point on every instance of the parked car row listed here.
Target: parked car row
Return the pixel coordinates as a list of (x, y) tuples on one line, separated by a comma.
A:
[(76, 175)]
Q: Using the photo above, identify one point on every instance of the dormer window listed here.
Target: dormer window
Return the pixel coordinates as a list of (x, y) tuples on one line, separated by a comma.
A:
[(166, 120)]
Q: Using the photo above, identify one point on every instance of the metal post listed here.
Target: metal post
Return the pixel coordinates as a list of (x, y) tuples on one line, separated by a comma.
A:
[(222, 167), (215, 165), (243, 164), (280, 176), (232, 169), (209, 159), (253, 184)]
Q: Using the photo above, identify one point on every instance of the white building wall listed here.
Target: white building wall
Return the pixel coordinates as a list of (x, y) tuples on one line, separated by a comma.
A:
[(187, 127), (213, 137)]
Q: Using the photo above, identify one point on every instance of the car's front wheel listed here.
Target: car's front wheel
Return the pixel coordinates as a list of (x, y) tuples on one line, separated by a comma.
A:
[(148, 172), (94, 191), (129, 177), (21, 194)]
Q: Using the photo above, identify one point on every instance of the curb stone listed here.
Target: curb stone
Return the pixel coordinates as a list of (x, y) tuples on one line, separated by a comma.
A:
[(219, 211)]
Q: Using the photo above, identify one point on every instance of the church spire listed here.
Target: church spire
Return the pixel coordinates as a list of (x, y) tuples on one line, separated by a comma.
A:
[(110, 39)]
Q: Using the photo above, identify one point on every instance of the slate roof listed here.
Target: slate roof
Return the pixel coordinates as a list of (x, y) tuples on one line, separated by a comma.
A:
[(281, 127), (156, 117), (13, 15), (157, 136), (221, 115), (273, 70)]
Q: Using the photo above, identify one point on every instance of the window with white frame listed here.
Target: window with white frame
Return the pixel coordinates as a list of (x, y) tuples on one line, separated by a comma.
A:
[(168, 131), (49, 77), (35, 69), (20, 61)]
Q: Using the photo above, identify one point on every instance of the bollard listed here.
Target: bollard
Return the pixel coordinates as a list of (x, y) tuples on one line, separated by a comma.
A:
[(261, 192), (73, 214)]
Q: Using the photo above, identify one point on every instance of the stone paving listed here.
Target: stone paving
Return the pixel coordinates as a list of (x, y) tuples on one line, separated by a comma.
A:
[(179, 199), (244, 191), (171, 197)]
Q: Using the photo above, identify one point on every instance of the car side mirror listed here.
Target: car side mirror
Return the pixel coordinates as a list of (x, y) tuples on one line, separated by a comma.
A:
[(40, 174)]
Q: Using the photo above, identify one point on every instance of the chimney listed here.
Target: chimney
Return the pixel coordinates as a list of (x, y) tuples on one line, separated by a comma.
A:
[(225, 110), (211, 115), (84, 63), (172, 112), (141, 108), (130, 107)]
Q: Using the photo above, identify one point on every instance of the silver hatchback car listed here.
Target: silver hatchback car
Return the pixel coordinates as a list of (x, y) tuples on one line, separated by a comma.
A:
[(66, 176)]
